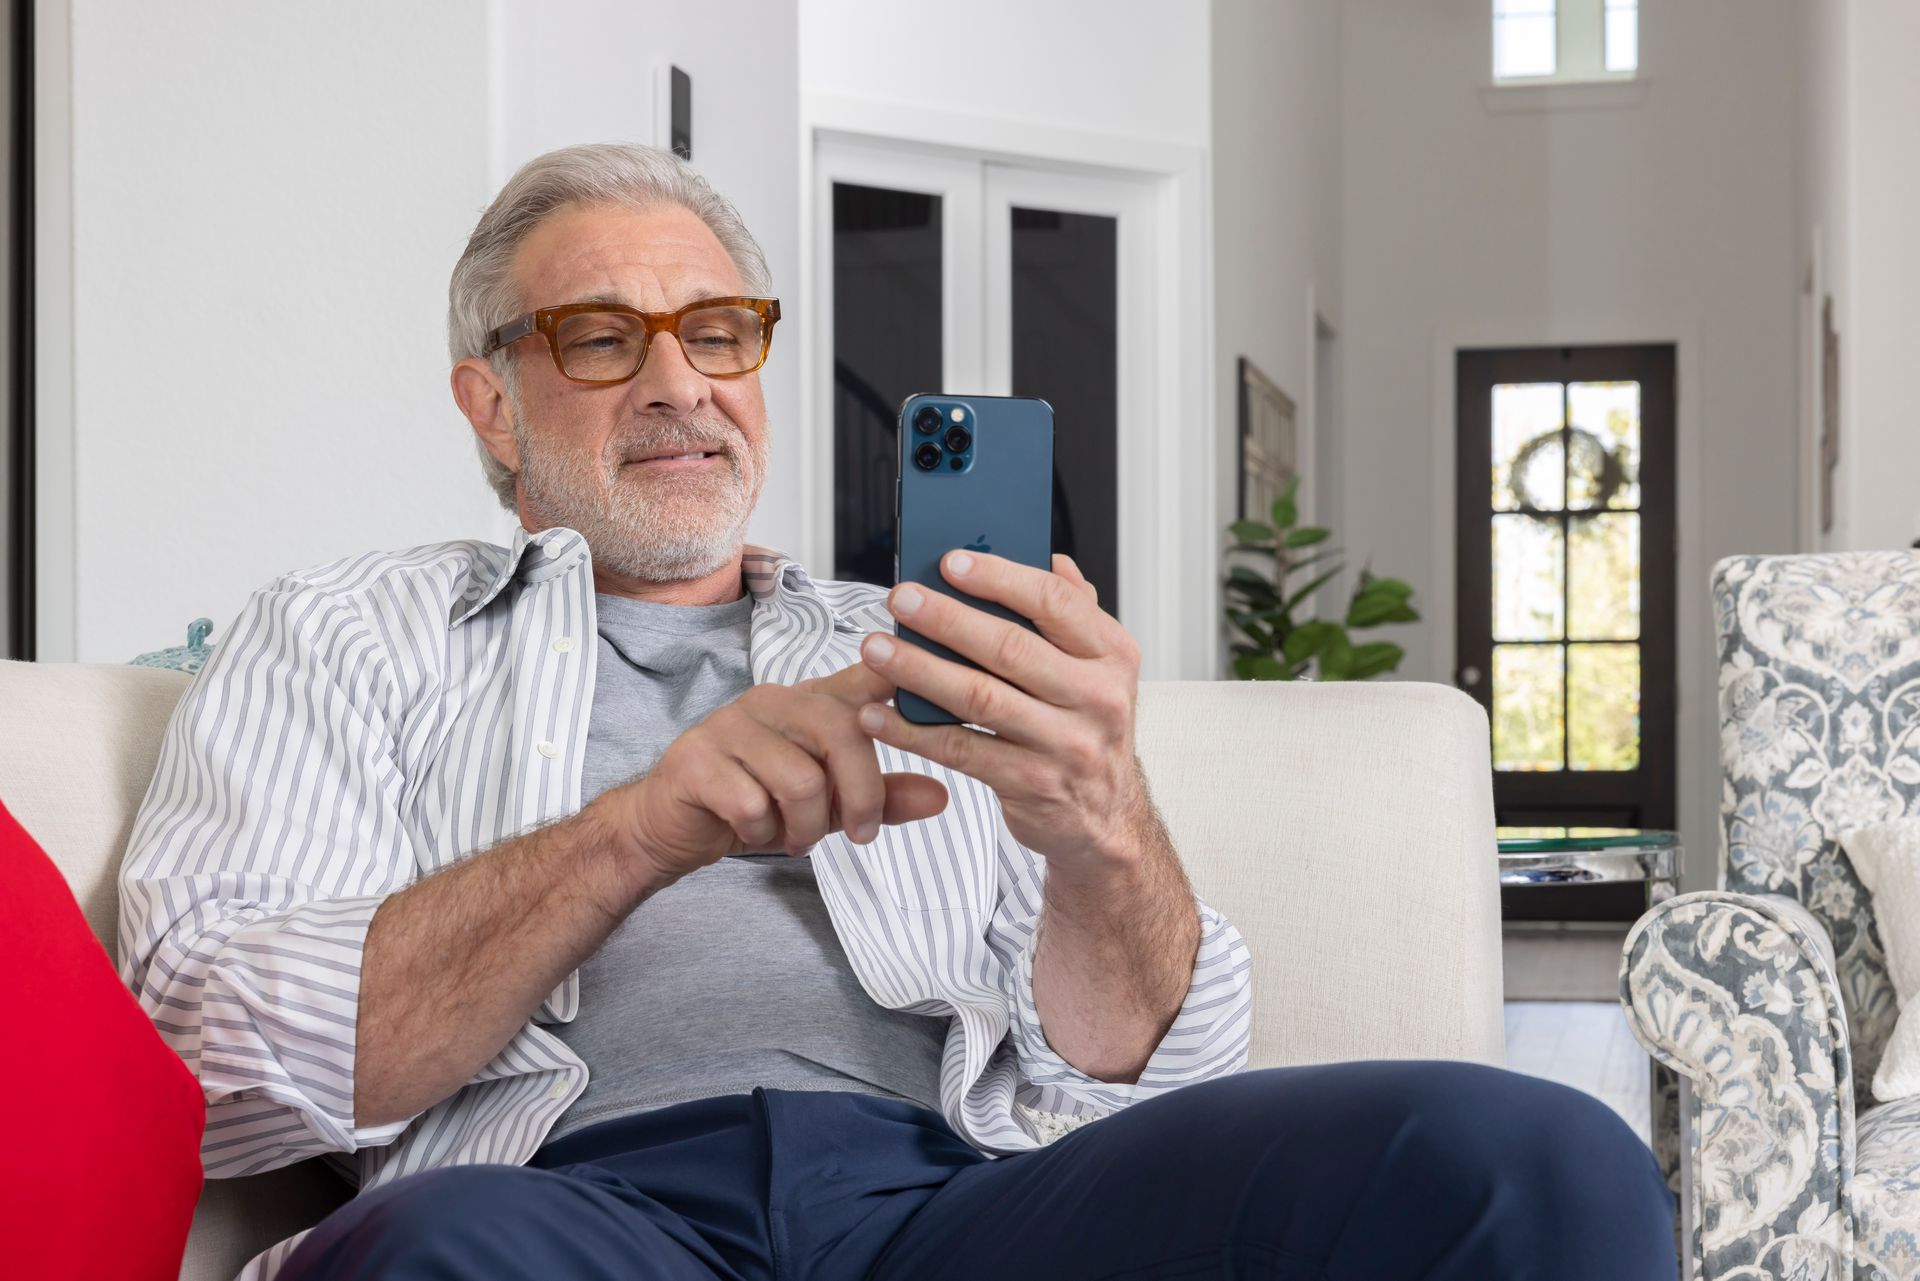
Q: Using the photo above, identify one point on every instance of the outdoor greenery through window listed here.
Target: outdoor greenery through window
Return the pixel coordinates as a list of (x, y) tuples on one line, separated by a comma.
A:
[(1566, 540), (1537, 41)]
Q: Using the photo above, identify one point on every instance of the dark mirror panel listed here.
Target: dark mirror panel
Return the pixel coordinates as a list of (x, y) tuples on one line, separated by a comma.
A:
[(886, 345), (1065, 294), (16, 339)]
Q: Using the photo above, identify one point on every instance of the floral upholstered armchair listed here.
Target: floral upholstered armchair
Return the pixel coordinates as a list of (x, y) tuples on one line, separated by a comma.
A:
[(1770, 997)]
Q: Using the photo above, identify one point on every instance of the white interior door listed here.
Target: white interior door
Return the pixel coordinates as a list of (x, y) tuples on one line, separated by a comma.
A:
[(936, 271), (1070, 317), (896, 310)]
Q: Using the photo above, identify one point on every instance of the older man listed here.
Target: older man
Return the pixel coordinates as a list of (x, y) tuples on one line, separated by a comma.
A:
[(477, 865)]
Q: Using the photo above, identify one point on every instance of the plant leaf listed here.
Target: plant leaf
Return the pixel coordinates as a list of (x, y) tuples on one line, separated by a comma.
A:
[(1370, 610), (1371, 660), (1307, 640), (1243, 665), (1285, 511), (1251, 531), (1306, 536), (1336, 656), (1310, 588), (1268, 668), (1255, 632), (1248, 577)]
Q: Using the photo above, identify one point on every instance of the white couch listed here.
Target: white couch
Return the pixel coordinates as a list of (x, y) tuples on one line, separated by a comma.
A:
[(1347, 830)]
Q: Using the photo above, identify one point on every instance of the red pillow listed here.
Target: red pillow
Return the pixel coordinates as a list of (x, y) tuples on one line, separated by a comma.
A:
[(100, 1157)]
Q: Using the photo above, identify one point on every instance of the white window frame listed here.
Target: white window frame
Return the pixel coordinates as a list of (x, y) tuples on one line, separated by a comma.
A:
[(1579, 36)]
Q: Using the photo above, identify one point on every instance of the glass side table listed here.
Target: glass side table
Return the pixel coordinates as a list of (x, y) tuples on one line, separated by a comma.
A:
[(1597, 855), (1591, 855)]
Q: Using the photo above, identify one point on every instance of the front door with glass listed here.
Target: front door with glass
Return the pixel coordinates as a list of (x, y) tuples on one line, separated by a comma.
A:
[(1565, 502)]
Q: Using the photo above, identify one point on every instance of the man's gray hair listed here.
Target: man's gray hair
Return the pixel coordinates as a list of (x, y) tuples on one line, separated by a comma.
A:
[(481, 295)]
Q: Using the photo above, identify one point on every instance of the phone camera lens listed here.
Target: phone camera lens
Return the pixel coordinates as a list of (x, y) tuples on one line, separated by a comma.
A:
[(959, 440), (956, 462), (927, 457), (927, 420)]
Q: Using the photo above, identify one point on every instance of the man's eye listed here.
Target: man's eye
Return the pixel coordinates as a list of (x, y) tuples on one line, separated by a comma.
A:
[(597, 342), (715, 340)]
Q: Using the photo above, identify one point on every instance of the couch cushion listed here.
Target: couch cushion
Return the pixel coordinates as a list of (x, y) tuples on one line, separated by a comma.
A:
[(78, 744)]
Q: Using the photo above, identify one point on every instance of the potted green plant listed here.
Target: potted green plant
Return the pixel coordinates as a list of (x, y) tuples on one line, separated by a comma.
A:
[(1277, 641)]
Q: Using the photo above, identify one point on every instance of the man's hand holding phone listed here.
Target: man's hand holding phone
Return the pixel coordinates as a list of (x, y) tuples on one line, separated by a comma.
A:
[(1059, 704), (776, 769)]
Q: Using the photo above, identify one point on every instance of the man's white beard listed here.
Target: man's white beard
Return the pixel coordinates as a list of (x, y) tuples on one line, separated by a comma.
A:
[(655, 528)]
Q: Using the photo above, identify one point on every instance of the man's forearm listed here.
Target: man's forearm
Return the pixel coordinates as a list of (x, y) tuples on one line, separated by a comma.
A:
[(455, 964), (1115, 956)]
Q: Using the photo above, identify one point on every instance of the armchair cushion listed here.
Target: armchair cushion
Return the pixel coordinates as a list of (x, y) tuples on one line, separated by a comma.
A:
[(1886, 857), (1886, 1190)]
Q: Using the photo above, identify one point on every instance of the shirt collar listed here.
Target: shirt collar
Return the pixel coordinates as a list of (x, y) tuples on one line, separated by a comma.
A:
[(771, 578)]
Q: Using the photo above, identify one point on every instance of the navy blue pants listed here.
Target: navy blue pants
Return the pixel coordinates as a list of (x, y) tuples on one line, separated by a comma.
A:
[(1360, 1171)]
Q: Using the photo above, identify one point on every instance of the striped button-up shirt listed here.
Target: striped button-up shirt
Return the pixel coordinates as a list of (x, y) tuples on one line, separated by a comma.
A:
[(367, 721)]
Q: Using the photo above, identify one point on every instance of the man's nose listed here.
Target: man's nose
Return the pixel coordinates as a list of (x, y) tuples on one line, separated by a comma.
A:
[(666, 383)]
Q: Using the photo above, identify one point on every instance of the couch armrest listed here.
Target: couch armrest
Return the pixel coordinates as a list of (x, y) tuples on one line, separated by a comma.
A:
[(1737, 994)]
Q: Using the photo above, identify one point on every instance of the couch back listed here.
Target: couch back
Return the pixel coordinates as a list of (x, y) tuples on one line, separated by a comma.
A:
[(78, 745), (1819, 734), (1346, 830)]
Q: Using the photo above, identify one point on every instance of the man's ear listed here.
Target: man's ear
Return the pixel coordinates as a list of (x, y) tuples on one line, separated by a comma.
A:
[(482, 397)]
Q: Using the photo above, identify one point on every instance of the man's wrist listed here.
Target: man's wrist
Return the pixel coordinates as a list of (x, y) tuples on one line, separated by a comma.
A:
[(618, 851)]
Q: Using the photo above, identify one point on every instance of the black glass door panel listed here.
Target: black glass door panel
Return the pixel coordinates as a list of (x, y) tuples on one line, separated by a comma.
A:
[(1065, 295), (886, 346)]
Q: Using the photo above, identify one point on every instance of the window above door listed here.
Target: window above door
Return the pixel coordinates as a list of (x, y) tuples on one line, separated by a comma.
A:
[(1565, 41)]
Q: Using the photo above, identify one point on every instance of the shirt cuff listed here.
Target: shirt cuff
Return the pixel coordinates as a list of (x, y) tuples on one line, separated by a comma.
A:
[(1209, 1036)]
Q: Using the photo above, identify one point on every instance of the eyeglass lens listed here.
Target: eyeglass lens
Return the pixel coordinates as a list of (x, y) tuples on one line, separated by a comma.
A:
[(606, 345)]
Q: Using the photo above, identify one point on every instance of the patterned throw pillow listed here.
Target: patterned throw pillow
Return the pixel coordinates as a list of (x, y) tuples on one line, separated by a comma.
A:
[(1887, 858)]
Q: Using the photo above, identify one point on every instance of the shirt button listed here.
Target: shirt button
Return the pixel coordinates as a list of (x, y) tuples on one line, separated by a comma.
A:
[(564, 645), (546, 748), (558, 1090)]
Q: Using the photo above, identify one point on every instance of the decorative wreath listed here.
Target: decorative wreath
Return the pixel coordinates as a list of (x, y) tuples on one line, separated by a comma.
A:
[(1586, 448)]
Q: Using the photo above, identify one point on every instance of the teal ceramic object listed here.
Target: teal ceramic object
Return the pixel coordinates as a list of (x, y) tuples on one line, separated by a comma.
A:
[(182, 658)]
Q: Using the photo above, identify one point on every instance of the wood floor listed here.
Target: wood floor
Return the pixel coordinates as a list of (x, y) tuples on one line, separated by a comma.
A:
[(1584, 1044), (1564, 1020)]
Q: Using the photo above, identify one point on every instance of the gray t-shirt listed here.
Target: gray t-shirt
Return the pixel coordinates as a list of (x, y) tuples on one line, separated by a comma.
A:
[(732, 976)]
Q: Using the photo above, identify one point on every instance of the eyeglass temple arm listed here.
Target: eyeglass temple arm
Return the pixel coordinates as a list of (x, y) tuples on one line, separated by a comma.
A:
[(511, 332)]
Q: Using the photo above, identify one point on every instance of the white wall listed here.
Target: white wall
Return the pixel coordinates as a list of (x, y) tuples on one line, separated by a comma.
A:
[(1860, 198), (265, 205), (1136, 68), (1276, 216), (553, 88), (1820, 151), (1672, 219)]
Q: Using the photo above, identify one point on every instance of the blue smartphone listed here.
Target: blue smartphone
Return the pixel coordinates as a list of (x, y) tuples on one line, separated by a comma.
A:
[(975, 472)]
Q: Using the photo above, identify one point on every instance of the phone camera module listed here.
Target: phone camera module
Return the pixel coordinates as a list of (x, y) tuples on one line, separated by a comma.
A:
[(959, 440), (927, 456), (927, 420)]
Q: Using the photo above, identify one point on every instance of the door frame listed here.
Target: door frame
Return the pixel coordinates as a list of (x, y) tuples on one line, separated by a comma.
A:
[(1653, 784), (1168, 500)]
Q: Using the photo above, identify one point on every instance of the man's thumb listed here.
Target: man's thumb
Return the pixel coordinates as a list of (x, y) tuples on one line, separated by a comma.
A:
[(911, 797)]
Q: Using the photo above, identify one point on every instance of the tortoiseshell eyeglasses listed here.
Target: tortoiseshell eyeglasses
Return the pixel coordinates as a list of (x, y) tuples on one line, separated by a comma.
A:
[(604, 342)]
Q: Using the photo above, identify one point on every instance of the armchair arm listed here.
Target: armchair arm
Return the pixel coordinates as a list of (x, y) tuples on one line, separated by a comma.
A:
[(1737, 994)]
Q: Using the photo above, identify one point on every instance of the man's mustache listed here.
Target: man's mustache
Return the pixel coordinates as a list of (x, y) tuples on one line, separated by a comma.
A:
[(682, 437)]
